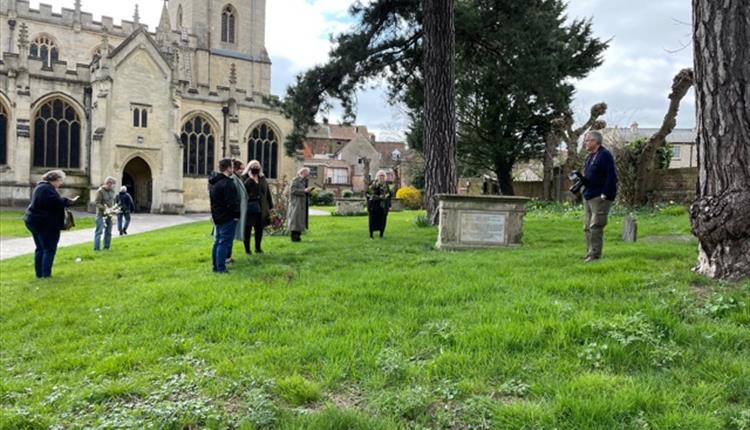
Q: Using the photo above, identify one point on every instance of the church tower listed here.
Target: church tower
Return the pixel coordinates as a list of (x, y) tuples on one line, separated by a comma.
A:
[(232, 27)]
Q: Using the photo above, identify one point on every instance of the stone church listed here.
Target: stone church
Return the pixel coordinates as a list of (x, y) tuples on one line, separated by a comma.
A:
[(155, 110)]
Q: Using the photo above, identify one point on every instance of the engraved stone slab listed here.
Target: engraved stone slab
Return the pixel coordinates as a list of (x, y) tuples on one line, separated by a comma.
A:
[(468, 222), (482, 227)]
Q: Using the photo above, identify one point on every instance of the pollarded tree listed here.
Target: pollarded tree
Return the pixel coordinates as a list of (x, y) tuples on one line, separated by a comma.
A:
[(720, 215)]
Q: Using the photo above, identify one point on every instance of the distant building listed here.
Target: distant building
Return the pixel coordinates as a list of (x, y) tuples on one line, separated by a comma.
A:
[(682, 141), (336, 156)]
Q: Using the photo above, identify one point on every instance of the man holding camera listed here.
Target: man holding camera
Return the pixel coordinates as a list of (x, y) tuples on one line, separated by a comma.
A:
[(600, 181)]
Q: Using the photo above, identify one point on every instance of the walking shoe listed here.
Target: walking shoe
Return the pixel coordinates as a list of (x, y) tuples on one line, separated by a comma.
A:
[(590, 259)]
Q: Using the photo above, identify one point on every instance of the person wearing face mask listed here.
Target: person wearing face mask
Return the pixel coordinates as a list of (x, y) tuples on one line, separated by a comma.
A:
[(259, 205)]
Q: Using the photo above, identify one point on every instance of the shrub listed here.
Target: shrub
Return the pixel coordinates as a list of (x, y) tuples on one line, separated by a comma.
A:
[(626, 162), (411, 197), (322, 198), (422, 221), (347, 194)]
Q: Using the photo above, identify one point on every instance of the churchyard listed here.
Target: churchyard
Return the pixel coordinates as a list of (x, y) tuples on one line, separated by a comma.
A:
[(341, 332)]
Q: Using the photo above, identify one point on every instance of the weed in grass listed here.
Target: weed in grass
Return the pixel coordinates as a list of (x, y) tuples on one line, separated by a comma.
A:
[(513, 388), (422, 221), (593, 354), (740, 420), (297, 391)]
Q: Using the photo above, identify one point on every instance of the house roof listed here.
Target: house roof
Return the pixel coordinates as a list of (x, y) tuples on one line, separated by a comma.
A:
[(678, 135), (386, 149), (337, 131)]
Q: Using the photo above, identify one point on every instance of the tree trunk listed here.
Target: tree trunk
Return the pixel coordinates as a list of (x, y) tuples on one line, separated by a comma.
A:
[(644, 181), (572, 136), (505, 180), (440, 103), (551, 144), (720, 215)]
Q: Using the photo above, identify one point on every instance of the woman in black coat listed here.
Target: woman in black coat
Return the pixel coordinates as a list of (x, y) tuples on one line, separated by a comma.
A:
[(378, 203), (259, 204), (44, 218)]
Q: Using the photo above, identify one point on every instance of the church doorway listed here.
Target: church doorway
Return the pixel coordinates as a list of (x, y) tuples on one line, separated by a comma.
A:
[(137, 178)]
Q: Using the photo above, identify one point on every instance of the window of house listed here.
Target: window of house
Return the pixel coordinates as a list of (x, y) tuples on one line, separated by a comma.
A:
[(179, 16), (340, 176), (676, 152), (198, 140), (44, 48), (3, 135), (262, 145), (228, 17), (313, 171), (57, 136)]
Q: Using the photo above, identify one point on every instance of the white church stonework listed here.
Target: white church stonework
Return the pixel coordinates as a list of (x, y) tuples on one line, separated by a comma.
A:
[(156, 110)]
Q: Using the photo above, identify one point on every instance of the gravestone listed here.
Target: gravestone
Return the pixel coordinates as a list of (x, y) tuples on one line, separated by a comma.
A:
[(350, 206), (629, 229), (468, 222)]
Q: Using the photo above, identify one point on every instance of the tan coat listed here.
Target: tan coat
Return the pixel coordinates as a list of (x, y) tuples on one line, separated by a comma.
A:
[(297, 215)]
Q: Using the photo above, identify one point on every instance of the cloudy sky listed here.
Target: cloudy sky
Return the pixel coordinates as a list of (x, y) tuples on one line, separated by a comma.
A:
[(649, 45)]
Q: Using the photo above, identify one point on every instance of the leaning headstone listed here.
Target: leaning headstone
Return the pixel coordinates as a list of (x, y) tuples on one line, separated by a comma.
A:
[(629, 229)]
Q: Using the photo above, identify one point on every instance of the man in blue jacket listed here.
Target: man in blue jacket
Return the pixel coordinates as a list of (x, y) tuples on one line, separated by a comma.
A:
[(600, 181), (225, 211)]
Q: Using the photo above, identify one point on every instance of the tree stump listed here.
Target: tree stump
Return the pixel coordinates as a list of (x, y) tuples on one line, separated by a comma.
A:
[(629, 229)]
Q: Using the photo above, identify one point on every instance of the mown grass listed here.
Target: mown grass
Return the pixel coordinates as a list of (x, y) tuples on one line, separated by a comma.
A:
[(12, 225), (341, 332)]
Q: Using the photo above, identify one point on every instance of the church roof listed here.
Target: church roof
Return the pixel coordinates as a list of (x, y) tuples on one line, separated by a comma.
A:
[(132, 37)]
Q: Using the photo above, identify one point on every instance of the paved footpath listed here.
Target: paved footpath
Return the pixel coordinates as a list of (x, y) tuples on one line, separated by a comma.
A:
[(139, 223)]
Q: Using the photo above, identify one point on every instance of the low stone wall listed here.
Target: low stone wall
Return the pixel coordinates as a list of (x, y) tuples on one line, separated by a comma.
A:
[(468, 222), (677, 185)]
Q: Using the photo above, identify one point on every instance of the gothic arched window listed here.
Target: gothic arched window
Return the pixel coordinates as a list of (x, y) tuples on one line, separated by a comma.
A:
[(198, 141), (57, 136), (228, 17), (262, 145), (44, 48), (3, 135)]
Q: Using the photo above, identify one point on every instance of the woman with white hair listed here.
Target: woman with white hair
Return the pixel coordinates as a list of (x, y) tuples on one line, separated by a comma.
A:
[(127, 206), (44, 218), (259, 204), (378, 203), (298, 204)]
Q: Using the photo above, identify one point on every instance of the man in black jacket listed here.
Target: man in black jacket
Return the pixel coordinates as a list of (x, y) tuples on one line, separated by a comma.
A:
[(127, 206), (600, 180), (225, 211)]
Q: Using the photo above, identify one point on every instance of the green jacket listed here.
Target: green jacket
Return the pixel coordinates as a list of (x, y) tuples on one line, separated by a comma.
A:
[(104, 199)]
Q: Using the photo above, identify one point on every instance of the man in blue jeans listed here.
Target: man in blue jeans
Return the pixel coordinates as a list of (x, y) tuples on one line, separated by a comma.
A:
[(105, 203), (225, 211)]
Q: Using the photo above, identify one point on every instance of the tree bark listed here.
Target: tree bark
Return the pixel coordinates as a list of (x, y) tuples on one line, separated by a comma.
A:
[(571, 136), (552, 142), (644, 182), (505, 179), (720, 214), (440, 103)]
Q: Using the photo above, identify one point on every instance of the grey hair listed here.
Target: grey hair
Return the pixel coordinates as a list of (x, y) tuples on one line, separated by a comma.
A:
[(381, 172), (123, 189), (597, 136), (53, 175), (254, 163), (110, 179), (303, 170)]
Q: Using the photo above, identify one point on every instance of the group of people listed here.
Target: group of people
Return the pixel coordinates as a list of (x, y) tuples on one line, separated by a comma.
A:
[(241, 203)]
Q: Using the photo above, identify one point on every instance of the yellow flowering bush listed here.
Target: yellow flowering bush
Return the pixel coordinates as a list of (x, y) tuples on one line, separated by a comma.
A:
[(411, 197)]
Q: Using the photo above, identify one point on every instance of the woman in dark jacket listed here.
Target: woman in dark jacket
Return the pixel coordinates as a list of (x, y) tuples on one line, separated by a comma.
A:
[(45, 218), (378, 203), (259, 204)]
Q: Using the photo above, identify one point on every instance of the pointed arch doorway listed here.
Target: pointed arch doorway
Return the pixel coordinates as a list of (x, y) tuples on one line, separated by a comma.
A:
[(137, 178)]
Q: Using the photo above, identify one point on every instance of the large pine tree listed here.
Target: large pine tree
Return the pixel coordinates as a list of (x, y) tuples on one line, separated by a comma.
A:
[(720, 214)]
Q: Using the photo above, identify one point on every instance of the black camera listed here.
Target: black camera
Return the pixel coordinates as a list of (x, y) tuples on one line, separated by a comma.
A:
[(576, 180)]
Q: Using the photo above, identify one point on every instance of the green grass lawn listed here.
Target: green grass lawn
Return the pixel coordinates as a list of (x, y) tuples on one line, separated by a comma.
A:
[(341, 332), (12, 225)]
